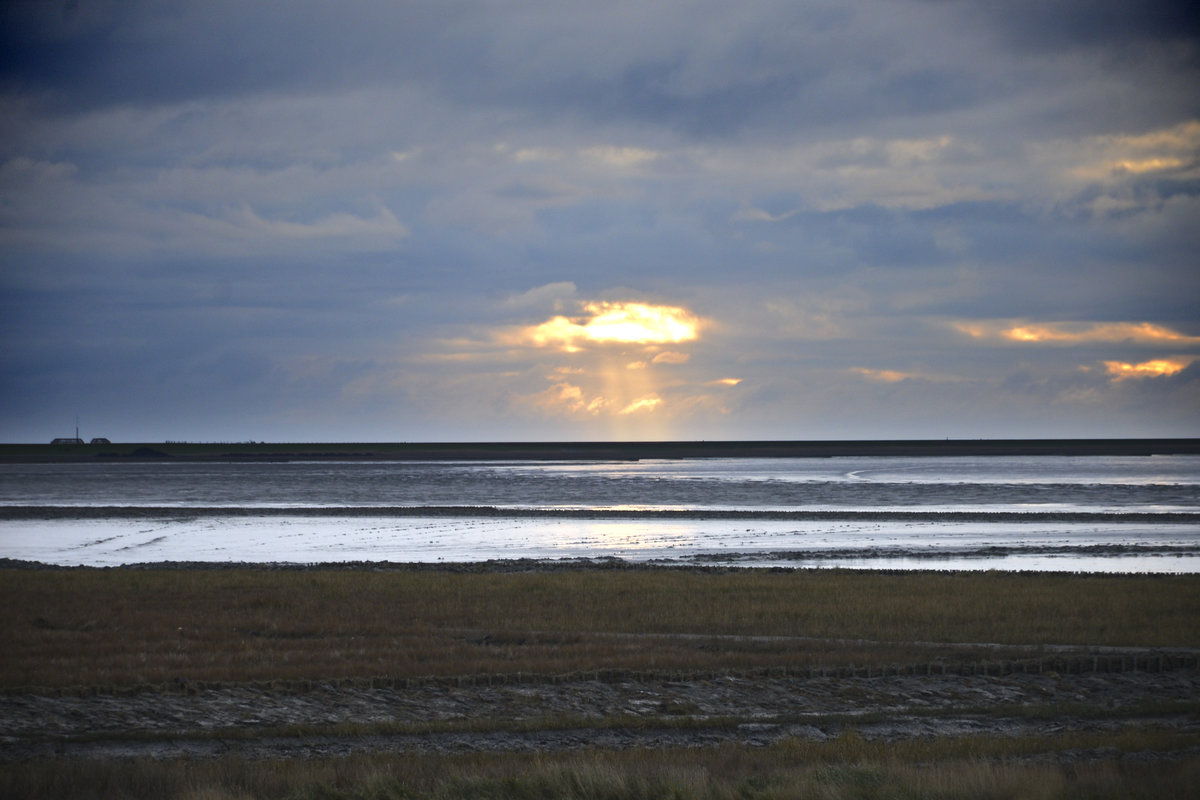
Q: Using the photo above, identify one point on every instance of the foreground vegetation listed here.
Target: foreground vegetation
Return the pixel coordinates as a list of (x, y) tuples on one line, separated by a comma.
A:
[(112, 630), (124, 626), (849, 767)]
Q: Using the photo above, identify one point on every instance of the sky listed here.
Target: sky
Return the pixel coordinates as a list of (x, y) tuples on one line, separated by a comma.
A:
[(231, 220)]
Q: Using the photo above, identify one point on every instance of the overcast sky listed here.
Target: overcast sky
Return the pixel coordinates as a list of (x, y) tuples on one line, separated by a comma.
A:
[(472, 220)]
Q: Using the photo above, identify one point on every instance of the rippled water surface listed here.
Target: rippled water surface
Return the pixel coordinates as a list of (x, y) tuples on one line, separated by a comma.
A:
[(1109, 484), (1076, 511)]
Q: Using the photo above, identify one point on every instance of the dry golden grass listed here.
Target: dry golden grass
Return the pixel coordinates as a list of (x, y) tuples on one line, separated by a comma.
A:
[(113, 627)]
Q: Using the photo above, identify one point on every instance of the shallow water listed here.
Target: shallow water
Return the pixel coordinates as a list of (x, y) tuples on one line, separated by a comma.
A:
[(1100, 484), (1075, 512)]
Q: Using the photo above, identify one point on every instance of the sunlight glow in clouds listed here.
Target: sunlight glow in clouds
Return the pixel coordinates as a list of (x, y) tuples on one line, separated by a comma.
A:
[(647, 403), (669, 357), (1148, 165), (1075, 333), (885, 375), (1112, 157), (570, 398), (628, 323), (625, 364), (1120, 370)]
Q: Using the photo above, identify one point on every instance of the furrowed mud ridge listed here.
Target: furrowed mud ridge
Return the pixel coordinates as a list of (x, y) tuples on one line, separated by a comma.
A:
[(610, 709)]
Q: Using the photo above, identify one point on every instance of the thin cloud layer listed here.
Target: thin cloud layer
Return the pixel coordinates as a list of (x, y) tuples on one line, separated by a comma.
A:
[(770, 219)]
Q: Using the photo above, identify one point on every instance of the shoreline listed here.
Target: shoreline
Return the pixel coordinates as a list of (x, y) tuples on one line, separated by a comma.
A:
[(916, 541), (499, 566), (586, 451), (964, 562)]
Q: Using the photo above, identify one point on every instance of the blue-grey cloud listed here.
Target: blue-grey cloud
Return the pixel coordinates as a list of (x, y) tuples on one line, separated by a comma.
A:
[(238, 220)]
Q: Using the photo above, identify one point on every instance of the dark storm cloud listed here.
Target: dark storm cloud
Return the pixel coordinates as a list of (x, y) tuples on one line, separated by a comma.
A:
[(1054, 24), (153, 52), (655, 65), (699, 67)]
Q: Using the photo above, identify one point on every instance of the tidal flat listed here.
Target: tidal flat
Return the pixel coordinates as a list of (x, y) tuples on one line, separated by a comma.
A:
[(513, 679)]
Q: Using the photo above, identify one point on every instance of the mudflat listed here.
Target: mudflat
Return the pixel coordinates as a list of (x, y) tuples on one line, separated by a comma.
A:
[(533, 713)]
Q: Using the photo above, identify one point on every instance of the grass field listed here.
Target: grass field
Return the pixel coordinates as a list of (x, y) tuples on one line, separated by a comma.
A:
[(119, 627), (110, 630), (966, 768)]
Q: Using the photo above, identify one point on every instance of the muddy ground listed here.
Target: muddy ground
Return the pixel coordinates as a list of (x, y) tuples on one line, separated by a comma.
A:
[(262, 722)]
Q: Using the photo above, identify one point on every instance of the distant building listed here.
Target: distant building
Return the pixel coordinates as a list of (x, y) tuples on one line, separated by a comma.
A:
[(67, 440), (100, 440)]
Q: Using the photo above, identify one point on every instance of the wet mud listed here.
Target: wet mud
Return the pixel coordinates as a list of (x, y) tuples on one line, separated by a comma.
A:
[(325, 720)]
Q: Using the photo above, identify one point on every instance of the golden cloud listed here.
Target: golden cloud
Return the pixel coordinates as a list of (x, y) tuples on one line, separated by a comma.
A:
[(619, 363), (561, 395), (647, 403), (622, 323), (1120, 370), (1102, 158), (1139, 166), (567, 398), (1076, 333)]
